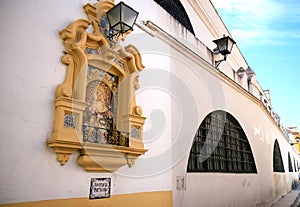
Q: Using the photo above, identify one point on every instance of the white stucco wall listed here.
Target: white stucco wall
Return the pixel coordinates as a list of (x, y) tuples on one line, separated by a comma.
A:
[(176, 94), (211, 189), (30, 72)]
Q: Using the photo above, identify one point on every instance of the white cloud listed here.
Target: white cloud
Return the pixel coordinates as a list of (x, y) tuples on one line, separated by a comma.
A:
[(260, 21)]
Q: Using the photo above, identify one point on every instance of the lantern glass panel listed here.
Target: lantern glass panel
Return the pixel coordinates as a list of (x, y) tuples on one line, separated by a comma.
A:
[(222, 45), (128, 16), (230, 43), (122, 17), (114, 16)]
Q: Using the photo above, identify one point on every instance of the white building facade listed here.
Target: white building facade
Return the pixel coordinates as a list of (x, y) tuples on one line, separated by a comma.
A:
[(197, 135)]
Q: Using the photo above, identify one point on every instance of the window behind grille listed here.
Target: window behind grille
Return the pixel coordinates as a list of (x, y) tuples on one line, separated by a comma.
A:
[(290, 163), (277, 159), (177, 11), (220, 145)]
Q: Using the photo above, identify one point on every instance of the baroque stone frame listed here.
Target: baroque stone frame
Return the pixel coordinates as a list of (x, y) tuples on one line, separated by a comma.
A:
[(83, 48)]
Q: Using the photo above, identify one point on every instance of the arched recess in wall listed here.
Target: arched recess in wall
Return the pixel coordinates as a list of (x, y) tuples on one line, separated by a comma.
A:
[(277, 159), (290, 163), (221, 145), (176, 10), (95, 107)]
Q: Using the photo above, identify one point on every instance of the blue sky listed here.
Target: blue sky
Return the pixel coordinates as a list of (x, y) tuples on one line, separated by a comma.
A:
[(268, 34)]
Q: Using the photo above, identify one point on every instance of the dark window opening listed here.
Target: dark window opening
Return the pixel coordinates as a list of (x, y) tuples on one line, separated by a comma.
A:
[(220, 145), (176, 10), (277, 159), (290, 163)]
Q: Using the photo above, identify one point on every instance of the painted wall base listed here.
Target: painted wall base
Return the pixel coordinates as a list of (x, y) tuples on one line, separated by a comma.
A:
[(147, 199)]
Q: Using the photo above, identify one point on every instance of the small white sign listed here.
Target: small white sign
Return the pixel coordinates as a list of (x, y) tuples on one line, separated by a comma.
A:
[(180, 183), (100, 188)]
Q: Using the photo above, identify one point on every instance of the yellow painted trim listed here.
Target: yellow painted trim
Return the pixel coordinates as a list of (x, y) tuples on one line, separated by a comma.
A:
[(147, 199), (70, 96)]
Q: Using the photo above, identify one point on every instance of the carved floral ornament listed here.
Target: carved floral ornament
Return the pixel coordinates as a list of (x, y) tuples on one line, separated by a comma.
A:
[(95, 108)]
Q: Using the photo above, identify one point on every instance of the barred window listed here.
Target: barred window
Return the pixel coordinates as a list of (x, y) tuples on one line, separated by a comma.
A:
[(290, 163), (277, 159), (220, 145), (177, 11)]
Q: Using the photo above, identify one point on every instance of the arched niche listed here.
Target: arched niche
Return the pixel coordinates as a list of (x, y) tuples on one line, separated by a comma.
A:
[(95, 107)]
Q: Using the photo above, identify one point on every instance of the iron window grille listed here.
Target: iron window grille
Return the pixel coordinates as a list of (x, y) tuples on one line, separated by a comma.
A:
[(220, 145), (277, 159), (177, 11), (290, 163)]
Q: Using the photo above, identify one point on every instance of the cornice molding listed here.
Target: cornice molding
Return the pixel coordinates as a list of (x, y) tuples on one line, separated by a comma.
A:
[(156, 31), (216, 31)]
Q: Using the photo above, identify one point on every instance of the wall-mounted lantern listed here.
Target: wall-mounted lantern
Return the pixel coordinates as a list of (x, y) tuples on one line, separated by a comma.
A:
[(240, 72), (250, 73), (121, 19), (224, 47)]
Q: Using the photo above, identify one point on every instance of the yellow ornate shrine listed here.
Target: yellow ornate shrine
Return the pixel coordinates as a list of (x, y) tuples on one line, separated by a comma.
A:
[(95, 108)]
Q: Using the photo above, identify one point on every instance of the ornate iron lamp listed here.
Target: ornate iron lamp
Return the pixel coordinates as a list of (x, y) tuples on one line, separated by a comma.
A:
[(121, 19), (224, 47), (241, 72), (250, 73)]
